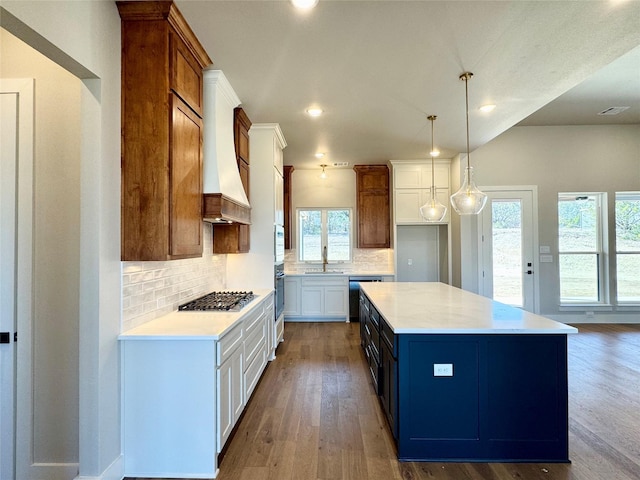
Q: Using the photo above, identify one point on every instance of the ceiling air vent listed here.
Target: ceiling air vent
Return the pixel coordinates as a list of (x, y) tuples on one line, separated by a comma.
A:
[(612, 110), (340, 164)]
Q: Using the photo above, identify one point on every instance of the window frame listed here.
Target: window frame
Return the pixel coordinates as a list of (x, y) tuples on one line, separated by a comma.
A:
[(324, 234), (600, 251), (630, 195)]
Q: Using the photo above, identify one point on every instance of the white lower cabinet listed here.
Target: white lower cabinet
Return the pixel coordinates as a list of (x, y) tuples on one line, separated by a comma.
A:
[(181, 397), (318, 296), (230, 392), (168, 412), (292, 296)]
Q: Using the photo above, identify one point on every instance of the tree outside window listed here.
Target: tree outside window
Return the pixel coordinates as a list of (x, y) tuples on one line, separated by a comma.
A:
[(627, 210), (330, 227)]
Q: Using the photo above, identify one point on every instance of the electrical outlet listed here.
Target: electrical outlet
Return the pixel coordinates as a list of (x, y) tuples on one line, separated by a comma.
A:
[(410, 261), (443, 369)]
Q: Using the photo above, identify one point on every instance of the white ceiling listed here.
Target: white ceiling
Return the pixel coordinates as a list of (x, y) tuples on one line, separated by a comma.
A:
[(378, 68)]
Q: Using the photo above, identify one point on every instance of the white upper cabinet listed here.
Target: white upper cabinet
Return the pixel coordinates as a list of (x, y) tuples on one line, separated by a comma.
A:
[(412, 188)]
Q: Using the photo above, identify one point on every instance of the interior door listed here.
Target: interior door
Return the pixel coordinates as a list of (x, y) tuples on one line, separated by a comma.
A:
[(16, 192), (8, 178), (507, 242)]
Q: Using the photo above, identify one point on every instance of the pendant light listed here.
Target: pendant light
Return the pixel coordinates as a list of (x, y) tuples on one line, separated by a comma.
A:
[(469, 200), (433, 210)]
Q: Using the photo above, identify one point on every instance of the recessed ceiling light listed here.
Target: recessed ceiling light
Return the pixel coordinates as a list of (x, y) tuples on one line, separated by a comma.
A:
[(487, 108), (314, 112), (304, 4), (319, 155)]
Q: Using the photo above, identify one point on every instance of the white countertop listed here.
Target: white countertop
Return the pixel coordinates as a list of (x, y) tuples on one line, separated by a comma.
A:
[(424, 307), (188, 325), (340, 273)]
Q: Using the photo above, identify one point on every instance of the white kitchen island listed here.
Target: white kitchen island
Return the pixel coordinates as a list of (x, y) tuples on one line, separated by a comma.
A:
[(186, 378), (464, 378)]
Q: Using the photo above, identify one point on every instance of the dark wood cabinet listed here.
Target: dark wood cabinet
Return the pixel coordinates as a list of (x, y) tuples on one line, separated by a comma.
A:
[(161, 164), (236, 238), (288, 214), (373, 211)]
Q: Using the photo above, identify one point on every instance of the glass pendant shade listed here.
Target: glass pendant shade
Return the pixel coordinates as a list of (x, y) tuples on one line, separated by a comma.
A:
[(469, 200), (433, 210)]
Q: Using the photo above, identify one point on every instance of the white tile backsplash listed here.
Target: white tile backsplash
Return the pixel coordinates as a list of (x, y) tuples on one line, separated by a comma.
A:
[(364, 260), (153, 289)]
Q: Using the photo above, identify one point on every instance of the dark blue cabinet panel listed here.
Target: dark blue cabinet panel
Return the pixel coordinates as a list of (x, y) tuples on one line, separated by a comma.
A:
[(506, 399)]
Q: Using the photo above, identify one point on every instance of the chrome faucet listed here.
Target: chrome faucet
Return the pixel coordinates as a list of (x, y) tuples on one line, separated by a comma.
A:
[(324, 258)]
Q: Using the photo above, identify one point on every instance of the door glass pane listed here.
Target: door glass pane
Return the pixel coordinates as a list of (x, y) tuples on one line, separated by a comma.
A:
[(339, 235), (507, 251), (578, 277), (310, 235)]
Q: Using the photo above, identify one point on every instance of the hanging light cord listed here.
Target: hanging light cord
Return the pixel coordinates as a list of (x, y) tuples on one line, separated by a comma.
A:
[(466, 76), (433, 181)]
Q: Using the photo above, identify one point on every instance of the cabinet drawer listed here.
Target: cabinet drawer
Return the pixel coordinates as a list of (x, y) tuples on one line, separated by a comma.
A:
[(375, 319), (253, 320), (253, 372), (374, 343), (228, 344), (186, 74), (387, 336), (326, 281), (254, 342)]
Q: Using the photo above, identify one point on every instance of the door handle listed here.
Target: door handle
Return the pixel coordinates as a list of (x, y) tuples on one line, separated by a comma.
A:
[(529, 272)]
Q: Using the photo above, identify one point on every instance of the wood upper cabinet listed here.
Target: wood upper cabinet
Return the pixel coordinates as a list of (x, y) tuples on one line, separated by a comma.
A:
[(162, 64), (372, 196), (288, 214), (236, 238)]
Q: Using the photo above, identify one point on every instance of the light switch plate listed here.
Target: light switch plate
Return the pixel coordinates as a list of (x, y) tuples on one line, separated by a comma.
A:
[(545, 249), (546, 258), (443, 369)]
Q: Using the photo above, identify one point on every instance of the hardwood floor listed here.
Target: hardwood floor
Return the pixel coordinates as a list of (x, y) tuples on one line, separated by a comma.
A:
[(314, 415)]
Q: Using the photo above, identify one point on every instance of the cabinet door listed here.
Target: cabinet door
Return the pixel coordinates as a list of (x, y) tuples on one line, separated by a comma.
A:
[(388, 385), (312, 300), (292, 296), (336, 301), (278, 183), (230, 395), (374, 224), (185, 201), (185, 74), (407, 176), (407, 206)]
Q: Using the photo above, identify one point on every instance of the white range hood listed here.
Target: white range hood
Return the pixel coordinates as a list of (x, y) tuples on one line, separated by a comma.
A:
[(224, 196)]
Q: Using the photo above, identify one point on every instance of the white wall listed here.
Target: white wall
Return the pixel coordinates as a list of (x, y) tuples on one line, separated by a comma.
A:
[(561, 159), (84, 37)]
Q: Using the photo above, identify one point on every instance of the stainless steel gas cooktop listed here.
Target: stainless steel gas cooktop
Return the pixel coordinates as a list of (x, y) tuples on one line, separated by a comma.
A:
[(219, 301)]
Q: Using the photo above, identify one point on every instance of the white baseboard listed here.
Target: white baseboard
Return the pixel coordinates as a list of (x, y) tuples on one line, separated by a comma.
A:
[(596, 317), (115, 471)]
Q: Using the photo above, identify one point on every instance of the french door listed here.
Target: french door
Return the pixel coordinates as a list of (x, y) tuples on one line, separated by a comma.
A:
[(508, 242)]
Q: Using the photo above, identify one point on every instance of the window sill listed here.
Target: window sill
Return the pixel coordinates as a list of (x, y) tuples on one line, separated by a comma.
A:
[(586, 307)]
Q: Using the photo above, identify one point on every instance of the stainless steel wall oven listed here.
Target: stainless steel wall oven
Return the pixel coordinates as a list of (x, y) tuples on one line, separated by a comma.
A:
[(279, 288)]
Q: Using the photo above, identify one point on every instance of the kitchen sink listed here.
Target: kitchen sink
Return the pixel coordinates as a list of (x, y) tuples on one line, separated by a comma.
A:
[(315, 271)]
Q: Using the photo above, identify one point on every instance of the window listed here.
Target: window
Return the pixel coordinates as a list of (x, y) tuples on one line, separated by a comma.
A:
[(327, 227), (628, 246), (580, 248)]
